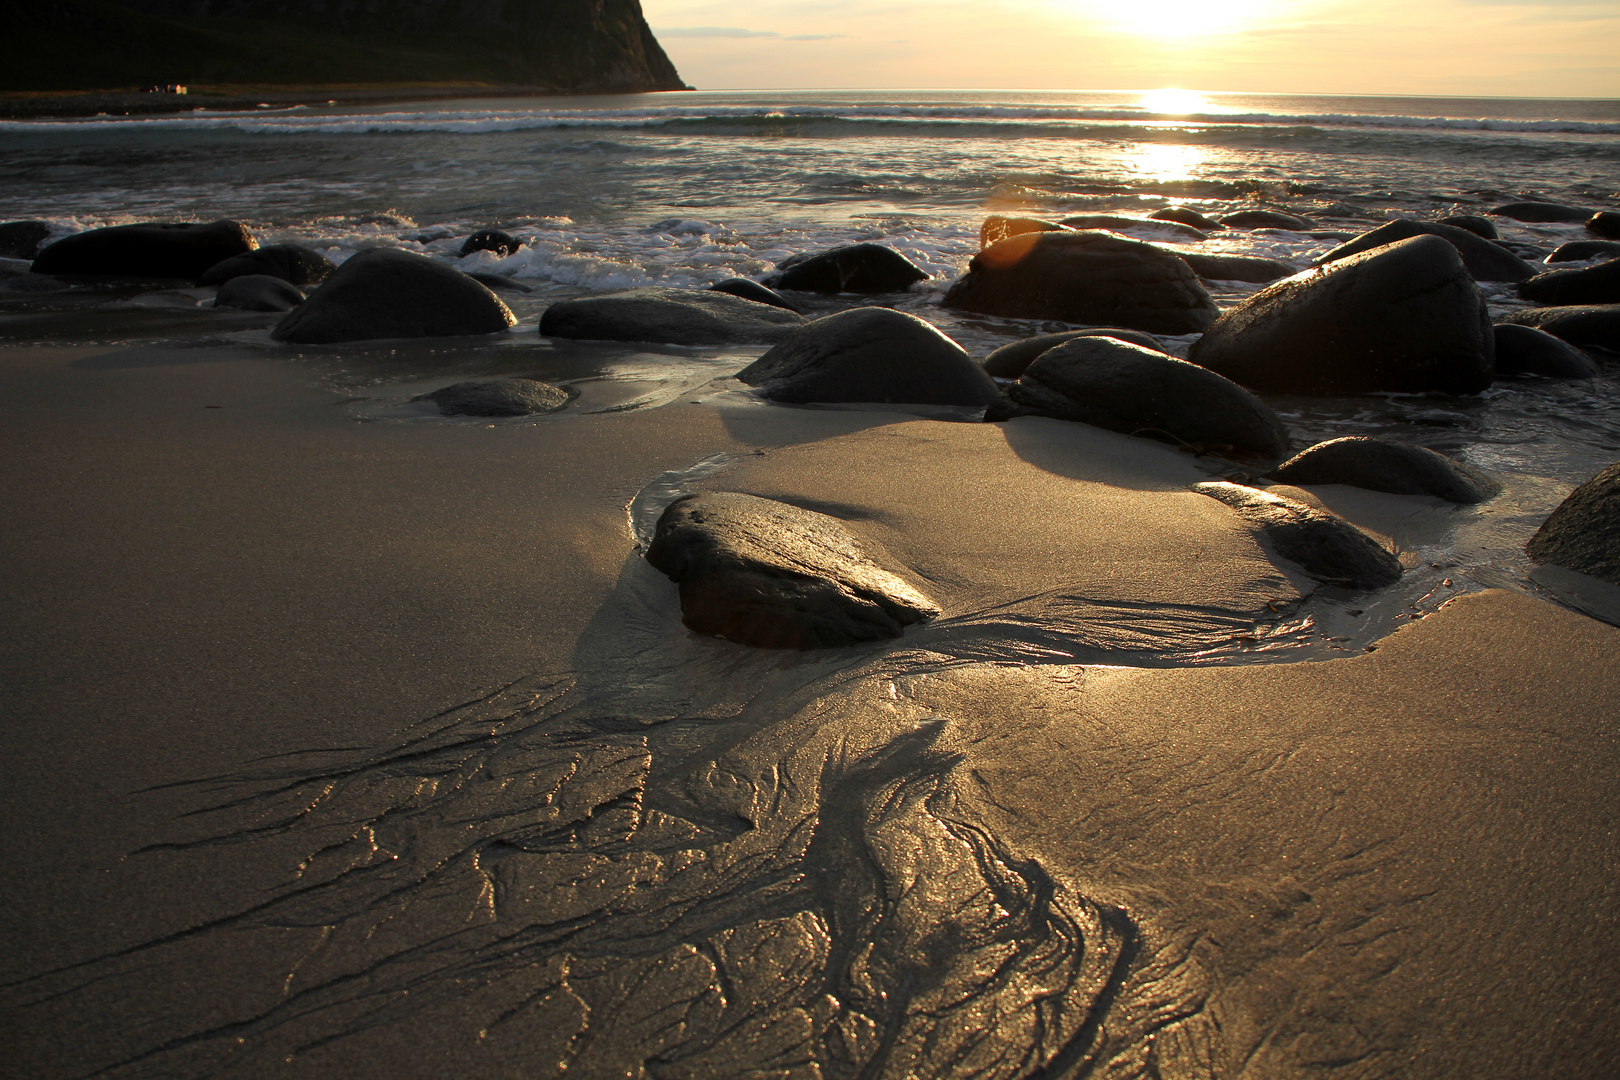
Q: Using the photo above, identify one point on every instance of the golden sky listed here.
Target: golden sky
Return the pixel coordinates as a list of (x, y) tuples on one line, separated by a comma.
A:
[(1535, 48)]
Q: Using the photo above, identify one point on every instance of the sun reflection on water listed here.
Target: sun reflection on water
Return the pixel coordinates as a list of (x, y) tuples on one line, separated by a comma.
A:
[(1166, 163)]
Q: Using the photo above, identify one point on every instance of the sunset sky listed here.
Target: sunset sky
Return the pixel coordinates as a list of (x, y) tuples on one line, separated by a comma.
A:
[(1540, 48)]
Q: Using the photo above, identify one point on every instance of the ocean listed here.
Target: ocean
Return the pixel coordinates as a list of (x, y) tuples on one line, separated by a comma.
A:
[(689, 188)]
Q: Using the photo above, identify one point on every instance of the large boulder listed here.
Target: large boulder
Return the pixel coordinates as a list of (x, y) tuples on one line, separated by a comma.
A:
[(1582, 250), (1122, 387), (1584, 532), (147, 250), (21, 239), (1010, 361), (997, 228), (1125, 223), (1323, 545), (870, 355), (1382, 465), (763, 573), (670, 316), (1547, 212), (1187, 216), (1486, 261), (1406, 317), (1479, 226), (1248, 268), (292, 263), (1605, 223), (1589, 326), (1265, 219), (492, 240), (1524, 350), (383, 293), (1085, 277), (857, 268), (752, 290), (258, 292), (497, 397), (1598, 284)]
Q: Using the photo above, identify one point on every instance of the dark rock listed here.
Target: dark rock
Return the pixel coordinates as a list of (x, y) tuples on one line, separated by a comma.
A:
[(1338, 236), (1122, 222), (1598, 284), (148, 250), (1010, 361), (1265, 219), (500, 281), (497, 397), (21, 239), (672, 316), (1477, 225), (1323, 545), (1584, 532), (258, 292), (1236, 267), (1406, 317), (752, 290), (1605, 223), (1111, 384), (858, 268), (763, 573), (384, 293), (1485, 260), (1087, 278), (501, 243), (1524, 350), (997, 228), (1381, 465), (1589, 326), (1541, 212), (291, 263), (1581, 250), (32, 283), (870, 355), (1187, 217)]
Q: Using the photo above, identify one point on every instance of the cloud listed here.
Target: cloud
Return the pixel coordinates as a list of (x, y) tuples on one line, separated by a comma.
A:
[(735, 32)]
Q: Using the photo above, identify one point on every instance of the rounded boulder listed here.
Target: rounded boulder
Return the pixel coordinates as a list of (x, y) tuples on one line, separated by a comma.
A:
[(1186, 216), (493, 240), (1542, 212), (697, 317), (1010, 361), (1325, 546), (857, 268), (1265, 219), (383, 293), (1598, 284), (1582, 250), (752, 290), (1584, 532), (1479, 226), (147, 250), (292, 263), (1605, 223), (1382, 465), (258, 292), (1524, 350), (1486, 261), (1586, 326)]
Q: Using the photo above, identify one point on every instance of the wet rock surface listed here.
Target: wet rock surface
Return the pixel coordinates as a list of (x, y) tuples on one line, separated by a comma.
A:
[(258, 292), (1589, 326), (1486, 261), (1584, 532), (1382, 465), (997, 228), (1598, 284), (1009, 361), (1542, 212), (671, 316), (752, 290), (1525, 350), (856, 268), (1265, 219), (1236, 267), (21, 239), (1086, 277), (774, 576), (1605, 223), (146, 250), (1124, 222), (381, 293), (292, 263), (1323, 545), (1480, 226), (1122, 387), (1405, 317), (1581, 250), (870, 355), (1187, 216), (498, 397), (492, 240)]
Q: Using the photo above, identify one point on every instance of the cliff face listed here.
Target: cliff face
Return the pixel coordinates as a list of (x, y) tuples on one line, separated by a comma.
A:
[(572, 46)]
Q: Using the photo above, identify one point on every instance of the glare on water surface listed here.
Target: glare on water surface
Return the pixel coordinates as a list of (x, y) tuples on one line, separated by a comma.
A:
[(1174, 102), (1166, 164)]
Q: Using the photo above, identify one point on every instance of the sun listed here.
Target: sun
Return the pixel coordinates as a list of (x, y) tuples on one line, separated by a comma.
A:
[(1178, 19)]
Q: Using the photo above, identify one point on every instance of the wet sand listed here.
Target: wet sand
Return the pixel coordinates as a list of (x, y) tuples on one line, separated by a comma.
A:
[(345, 741)]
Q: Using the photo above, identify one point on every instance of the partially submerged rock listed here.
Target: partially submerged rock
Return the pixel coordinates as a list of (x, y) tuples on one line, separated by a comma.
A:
[(870, 355), (1085, 277), (1009, 361), (1265, 219), (383, 293), (1589, 326), (1524, 350), (1125, 222), (491, 240), (1382, 465), (671, 316), (1542, 212), (997, 228), (1323, 545), (1581, 250), (258, 292), (1584, 532), (1486, 261), (1187, 216), (292, 263), (500, 281), (21, 239), (752, 290), (497, 397), (1598, 284), (1605, 223), (1249, 268), (763, 573), (857, 268), (146, 250), (1111, 384), (1479, 226), (1406, 317)]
